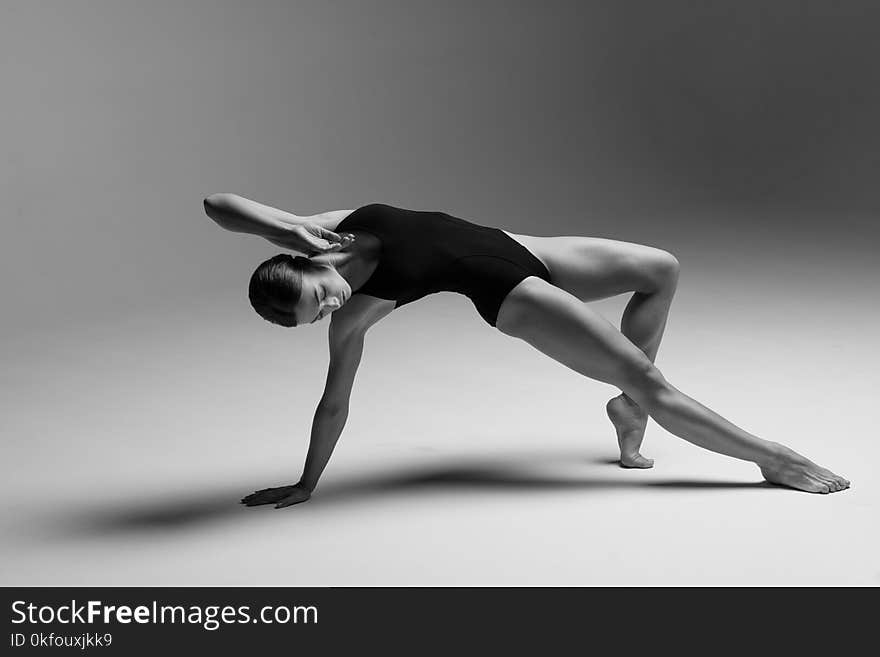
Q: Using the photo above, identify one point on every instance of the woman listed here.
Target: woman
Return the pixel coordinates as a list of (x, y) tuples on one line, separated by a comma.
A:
[(364, 263)]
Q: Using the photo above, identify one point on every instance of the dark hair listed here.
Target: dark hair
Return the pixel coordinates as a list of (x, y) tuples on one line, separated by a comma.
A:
[(276, 287)]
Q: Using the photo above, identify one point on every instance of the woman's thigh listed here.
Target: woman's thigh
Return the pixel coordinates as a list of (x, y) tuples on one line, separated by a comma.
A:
[(556, 323), (592, 268)]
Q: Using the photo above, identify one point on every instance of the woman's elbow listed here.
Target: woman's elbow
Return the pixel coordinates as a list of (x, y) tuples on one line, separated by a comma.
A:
[(332, 409), (221, 208), (214, 203)]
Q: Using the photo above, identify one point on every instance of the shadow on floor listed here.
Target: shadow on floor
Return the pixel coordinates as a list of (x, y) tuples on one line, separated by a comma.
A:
[(189, 510)]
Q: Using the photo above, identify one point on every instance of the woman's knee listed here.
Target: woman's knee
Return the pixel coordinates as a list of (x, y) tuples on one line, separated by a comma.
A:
[(663, 270)]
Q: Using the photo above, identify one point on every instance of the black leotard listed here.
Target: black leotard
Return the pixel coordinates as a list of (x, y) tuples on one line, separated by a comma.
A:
[(427, 252)]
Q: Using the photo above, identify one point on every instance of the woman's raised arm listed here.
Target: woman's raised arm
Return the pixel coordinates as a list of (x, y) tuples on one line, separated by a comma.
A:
[(306, 235)]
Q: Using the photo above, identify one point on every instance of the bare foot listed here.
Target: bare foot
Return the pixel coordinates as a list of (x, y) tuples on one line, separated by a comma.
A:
[(795, 471), (630, 421)]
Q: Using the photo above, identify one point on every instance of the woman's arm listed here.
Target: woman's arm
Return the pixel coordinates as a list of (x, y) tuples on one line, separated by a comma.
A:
[(307, 235), (327, 423), (348, 327), (346, 349)]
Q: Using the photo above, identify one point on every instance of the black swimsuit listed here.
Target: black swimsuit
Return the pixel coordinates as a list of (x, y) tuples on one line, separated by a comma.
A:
[(427, 252)]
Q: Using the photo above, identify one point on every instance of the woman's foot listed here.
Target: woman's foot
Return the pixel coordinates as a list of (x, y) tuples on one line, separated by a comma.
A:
[(630, 421), (795, 471)]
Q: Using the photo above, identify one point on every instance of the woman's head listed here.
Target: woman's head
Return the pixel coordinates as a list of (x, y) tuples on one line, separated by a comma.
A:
[(290, 291)]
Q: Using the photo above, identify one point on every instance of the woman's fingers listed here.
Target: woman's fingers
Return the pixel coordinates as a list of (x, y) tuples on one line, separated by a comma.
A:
[(323, 235), (257, 499), (336, 242), (323, 240), (330, 236)]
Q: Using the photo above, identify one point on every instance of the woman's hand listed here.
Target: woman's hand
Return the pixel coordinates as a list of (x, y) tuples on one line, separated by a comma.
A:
[(311, 239), (281, 497)]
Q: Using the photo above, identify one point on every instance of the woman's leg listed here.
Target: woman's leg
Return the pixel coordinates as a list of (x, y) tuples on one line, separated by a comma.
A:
[(559, 325), (643, 323), (592, 268)]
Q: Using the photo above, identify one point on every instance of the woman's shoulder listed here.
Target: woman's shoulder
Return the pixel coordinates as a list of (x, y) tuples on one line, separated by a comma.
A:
[(371, 213), (331, 219), (375, 208)]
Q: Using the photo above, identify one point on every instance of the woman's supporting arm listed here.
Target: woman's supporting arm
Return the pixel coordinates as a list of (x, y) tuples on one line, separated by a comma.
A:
[(328, 422), (346, 349), (348, 327)]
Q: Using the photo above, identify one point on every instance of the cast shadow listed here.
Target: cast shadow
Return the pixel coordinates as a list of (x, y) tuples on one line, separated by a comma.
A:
[(523, 474), (603, 460)]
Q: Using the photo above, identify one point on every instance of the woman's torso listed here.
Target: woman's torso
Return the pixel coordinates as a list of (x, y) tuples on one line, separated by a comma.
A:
[(422, 252)]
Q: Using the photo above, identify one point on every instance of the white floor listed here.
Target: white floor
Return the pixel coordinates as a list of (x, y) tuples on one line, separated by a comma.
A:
[(469, 459)]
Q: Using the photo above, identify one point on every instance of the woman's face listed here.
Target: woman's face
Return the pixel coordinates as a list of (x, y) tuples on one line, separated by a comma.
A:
[(323, 291)]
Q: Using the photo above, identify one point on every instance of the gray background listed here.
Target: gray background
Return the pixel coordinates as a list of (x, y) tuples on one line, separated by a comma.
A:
[(142, 396)]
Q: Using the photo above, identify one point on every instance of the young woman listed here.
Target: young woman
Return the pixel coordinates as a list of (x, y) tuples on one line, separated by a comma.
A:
[(362, 264)]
